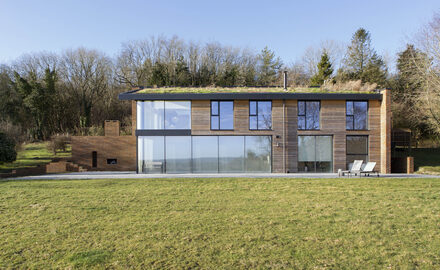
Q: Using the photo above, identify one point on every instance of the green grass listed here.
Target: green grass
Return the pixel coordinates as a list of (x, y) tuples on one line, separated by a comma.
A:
[(176, 90), (426, 160), (33, 154), (221, 223)]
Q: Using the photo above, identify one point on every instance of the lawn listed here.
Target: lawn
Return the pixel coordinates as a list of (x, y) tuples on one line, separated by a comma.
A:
[(221, 223), (33, 154)]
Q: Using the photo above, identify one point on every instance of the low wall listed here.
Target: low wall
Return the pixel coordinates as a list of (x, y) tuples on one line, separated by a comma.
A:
[(121, 149)]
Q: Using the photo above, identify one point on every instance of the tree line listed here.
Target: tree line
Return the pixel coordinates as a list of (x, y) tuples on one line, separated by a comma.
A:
[(75, 91)]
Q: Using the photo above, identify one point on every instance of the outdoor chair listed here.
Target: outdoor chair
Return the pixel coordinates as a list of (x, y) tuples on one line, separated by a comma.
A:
[(369, 169), (355, 168)]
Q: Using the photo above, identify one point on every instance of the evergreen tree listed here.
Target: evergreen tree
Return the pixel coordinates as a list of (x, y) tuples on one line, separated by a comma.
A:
[(7, 149), (159, 76), (325, 70), (38, 98), (183, 76), (269, 67), (362, 62)]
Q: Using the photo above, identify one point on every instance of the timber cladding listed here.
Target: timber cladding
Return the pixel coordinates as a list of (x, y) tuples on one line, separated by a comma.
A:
[(332, 122), (119, 149)]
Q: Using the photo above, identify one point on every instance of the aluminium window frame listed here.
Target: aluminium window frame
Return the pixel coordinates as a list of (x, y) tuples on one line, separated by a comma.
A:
[(352, 115), (256, 115), (219, 115), (305, 114)]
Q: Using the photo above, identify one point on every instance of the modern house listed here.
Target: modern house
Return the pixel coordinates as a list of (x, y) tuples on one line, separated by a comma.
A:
[(244, 130)]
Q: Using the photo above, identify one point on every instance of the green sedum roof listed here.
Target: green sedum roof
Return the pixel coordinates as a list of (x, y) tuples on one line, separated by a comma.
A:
[(200, 90)]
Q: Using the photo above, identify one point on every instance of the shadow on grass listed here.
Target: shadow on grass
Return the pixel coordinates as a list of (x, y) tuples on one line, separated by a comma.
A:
[(90, 258)]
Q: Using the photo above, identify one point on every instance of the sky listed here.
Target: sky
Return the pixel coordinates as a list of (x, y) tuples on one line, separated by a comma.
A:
[(286, 27)]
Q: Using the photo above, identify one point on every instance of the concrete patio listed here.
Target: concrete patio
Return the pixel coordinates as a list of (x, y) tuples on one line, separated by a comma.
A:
[(134, 175)]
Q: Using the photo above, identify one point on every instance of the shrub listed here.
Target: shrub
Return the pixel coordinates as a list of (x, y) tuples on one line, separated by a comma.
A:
[(7, 149), (59, 142)]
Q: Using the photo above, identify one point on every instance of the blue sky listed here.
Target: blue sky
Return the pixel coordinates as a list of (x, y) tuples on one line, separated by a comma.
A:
[(287, 27)]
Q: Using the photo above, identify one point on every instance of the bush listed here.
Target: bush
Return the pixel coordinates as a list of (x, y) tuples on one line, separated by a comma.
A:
[(59, 142), (7, 149)]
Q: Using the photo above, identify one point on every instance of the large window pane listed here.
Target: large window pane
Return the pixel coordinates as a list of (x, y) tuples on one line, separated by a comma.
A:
[(177, 115), (315, 153), (357, 149), (324, 153), (258, 153), (226, 115), (205, 154), (264, 115), (178, 154), (360, 115), (306, 153), (151, 154), (231, 154), (312, 115), (150, 114), (356, 115)]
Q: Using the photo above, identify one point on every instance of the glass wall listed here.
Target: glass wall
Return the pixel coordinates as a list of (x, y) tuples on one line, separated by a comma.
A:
[(204, 154), (178, 154), (161, 114), (315, 154), (151, 153), (231, 154), (258, 153)]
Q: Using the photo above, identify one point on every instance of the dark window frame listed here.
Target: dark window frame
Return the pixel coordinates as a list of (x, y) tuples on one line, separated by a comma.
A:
[(256, 114), (219, 115), (305, 114), (358, 154), (353, 115)]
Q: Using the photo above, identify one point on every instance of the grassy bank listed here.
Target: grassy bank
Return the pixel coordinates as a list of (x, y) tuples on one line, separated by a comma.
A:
[(227, 223), (426, 160), (33, 154)]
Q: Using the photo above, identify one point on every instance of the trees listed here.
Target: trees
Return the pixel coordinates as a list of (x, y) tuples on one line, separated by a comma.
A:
[(38, 98), (325, 70), (268, 67), (361, 61), (87, 74), (7, 149)]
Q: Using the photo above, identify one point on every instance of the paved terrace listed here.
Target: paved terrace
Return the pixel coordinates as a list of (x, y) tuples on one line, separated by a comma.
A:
[(133, 175)]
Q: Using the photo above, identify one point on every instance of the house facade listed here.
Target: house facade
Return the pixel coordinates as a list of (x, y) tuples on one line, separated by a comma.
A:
[(278, 132)]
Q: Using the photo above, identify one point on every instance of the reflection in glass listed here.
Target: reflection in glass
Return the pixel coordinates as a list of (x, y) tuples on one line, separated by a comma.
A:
[(360, 115), (205, 154), (231, 153), (226, 115), (258, 153), (308, 115), (177, 115), (312, 115), (150, 114), (356, 115), (178, 154), (315, 154), (357, 149), (151, 154), (264, 115)]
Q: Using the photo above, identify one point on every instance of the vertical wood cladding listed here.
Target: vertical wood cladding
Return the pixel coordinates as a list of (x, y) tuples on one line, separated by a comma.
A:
[(332, 122)]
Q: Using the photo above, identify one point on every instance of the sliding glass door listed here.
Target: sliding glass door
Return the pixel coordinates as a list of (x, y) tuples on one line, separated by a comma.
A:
[(315, 154)]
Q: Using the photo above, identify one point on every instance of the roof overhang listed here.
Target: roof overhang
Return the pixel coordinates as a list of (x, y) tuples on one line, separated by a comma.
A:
[(133, 95)]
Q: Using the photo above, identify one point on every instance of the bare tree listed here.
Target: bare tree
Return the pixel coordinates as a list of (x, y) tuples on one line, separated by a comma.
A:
[(87, 75)]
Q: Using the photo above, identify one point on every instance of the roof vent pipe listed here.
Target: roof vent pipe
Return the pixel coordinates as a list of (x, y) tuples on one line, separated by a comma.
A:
[(285, 80)]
